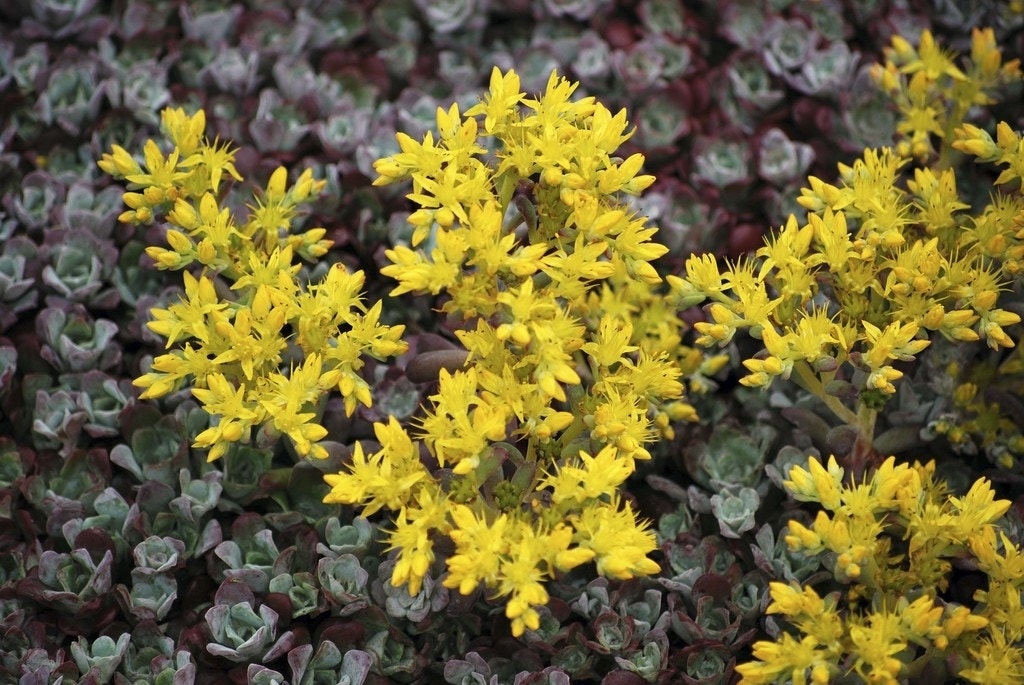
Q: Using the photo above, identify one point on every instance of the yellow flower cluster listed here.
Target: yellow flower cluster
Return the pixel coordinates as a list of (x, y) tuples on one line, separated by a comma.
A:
[(933, 94), (892, 541), (246, 310), (575, 362), (887, 258)]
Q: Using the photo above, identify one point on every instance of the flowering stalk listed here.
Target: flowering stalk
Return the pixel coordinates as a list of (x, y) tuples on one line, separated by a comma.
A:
[(890, 543), (246, 308), (574, 361), (888, 257)]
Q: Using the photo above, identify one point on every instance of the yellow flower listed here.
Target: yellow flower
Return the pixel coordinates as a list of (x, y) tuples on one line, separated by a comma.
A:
[(480, 548), (162, 173), (412, 537), (875, 646), (619, 543), (817, 484), (385, 479), (500, 102)]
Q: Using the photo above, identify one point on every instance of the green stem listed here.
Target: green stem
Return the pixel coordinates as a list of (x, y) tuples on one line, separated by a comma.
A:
[(866, 417), (809, 381)]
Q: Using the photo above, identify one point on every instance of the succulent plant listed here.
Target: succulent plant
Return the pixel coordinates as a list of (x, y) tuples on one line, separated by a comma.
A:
[(721, 162), (73, 93), (74, 341), (152, 595), (345, 583), (70, 582), (158, 451), (251, 555), (354, 538), (735, 511), (40, 197), (100, 658), (17, 284), (301, 590), (240, 630), (103, 398), (156, 555), (58, 420)]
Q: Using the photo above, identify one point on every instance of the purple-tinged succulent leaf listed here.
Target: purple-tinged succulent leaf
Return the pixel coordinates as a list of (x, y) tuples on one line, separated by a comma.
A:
[(179, 670), (75, 342), (147, 648), (780, 160), (580, 10), (197, 496), (240, 632), (142, 17), (104, 655), (58, 420), (592, 58), (394, 653), (92, 212), (232, 70), (640, 68), (243, 468), (391, 22), (751, 86), (354, 538), (448, 16), (252, 553), (158, 555), (788, 44), (213, 27), (707, 664), (28, 69), (663, 16), (328, 663), (344, 582), (332, 24), (645, 613), (77, 267), (722, 162), (552, 675), (257, 579), (341, 133), (296, 79), (73, 92), (66, 580), (661, 121), (209, 537), (37, 667), (103, 399), (273, 34), (594, 599), (143, 90), (261, 675), (41, 196), (277, 125), (473, 670), (18, 269), (158, 451), (750, 596), (827, 71), (152, 594), (650, 660), (301, 590), (613, 634), (735, 510)]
